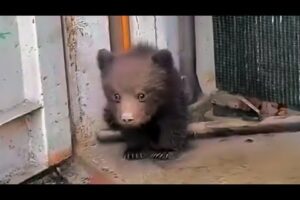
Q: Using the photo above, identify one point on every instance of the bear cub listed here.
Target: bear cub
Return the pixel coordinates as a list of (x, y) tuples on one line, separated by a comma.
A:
[(145, 101)]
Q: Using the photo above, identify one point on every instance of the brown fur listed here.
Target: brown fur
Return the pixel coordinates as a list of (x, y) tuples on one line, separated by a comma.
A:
[(158, 121)]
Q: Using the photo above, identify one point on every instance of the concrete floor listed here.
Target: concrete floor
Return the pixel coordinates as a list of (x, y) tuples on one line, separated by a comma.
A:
[(71, 171), (269, 158)]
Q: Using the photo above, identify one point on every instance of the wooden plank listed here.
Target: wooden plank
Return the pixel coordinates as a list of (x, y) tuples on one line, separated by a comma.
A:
[(224, 128), (230, 127)]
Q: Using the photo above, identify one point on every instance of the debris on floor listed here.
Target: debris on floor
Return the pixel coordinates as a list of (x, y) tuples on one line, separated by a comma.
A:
[(69, 172), (50, 176), (226, 104), (249, 140)]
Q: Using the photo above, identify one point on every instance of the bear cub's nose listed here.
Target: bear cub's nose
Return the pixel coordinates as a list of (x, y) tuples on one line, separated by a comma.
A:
[(127, 117)]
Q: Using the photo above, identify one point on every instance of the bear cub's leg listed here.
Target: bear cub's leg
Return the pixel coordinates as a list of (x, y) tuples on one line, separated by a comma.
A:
[(172, 139), (137, 145)]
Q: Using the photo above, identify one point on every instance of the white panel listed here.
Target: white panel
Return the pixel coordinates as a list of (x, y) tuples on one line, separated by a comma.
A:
[(142, 29), (167, 35), (11, 68), (29, 57), (160, 31), (55, 113), (14, 147), (88, 47), (19, 76), (38, 138), (205, 53)]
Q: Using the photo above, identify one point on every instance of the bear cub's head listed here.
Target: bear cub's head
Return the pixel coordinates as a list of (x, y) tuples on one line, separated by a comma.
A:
[(137, 83)]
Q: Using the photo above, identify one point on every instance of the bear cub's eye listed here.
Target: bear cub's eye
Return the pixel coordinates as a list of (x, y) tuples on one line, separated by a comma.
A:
[(141, 97), (116, 97)]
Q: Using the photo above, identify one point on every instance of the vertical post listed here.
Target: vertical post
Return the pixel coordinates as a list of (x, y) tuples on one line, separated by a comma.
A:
[(125, 32), (119, 29), (187, 56), (205, 53)]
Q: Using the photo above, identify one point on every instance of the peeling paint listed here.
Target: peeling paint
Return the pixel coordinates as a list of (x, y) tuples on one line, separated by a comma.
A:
[(3, 35)]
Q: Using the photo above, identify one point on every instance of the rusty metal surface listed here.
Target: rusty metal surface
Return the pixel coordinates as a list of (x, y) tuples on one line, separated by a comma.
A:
[(72, 171), (57, 156)]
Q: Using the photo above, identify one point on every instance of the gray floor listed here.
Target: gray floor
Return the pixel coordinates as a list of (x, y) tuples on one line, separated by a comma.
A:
[(270, 158)]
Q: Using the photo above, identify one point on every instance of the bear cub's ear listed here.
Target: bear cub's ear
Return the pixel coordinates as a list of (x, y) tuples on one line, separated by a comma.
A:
[(104, 58), (163, 58)]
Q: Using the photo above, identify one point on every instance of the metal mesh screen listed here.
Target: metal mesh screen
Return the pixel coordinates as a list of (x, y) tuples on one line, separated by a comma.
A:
[(259, 56)]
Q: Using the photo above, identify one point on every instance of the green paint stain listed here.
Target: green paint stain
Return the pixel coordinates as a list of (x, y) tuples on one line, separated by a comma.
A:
[(3, 35)]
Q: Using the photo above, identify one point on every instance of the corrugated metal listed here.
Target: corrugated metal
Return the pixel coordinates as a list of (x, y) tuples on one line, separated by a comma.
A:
[(259, 56)]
